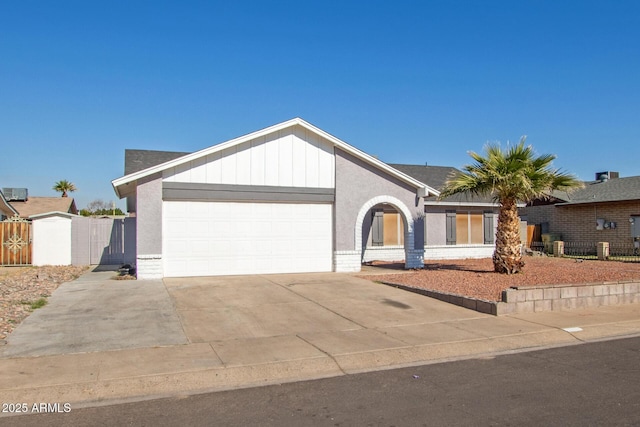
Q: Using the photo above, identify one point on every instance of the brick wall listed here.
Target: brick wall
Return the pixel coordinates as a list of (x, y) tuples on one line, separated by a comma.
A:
[(346, 261), (415, 258), (578, 223), (149, 267), (458, 251), (529, 299), (383, 253), (396, 253)]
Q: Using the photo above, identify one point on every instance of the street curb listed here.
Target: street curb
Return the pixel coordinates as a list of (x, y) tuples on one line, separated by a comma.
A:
[(170, 384), (180, 384)]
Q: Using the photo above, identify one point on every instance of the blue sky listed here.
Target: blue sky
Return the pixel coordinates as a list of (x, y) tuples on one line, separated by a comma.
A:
[(408, 81)]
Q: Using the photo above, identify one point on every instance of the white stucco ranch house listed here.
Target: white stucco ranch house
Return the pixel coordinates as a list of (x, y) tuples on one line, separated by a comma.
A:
[(291, 198)]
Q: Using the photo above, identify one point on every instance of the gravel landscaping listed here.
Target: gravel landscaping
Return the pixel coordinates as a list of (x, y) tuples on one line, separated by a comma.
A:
[(24, 289), (475, 277)]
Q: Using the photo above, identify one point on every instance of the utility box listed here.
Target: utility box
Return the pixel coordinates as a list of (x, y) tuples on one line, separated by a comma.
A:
[(548, 239)]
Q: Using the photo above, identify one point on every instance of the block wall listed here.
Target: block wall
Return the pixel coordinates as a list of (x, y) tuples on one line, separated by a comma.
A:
[(578, 223)]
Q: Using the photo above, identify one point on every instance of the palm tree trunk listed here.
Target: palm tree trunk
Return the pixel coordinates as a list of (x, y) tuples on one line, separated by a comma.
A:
[(507, 257)]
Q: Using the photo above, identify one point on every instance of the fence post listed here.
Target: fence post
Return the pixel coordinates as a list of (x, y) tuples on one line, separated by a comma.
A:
[(603, 250), (558, 248)]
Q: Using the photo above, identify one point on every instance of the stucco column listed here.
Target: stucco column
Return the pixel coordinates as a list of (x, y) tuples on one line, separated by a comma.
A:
[(149, 228)]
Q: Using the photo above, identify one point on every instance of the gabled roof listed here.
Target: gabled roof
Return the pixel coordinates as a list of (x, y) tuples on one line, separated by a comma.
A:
[(39, 205), (613, 190), (52, 214), (437, 176), (136, 175)]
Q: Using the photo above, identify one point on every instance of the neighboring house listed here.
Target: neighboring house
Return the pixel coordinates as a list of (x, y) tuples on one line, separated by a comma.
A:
[(6, 210), (605, 210), (455, 227), (52, 233), (16, 201), (288, 198)]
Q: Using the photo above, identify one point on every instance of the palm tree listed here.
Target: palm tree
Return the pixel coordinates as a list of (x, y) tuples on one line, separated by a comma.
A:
[(510, 176), (64, 186)]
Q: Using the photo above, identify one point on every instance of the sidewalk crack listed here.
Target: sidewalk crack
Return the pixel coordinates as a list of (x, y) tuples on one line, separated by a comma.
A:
[(324, 352)]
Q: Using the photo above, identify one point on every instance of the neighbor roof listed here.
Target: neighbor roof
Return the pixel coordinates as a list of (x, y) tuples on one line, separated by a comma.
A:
[(134, 176), (437, 176), (613, 190), (40, 205)]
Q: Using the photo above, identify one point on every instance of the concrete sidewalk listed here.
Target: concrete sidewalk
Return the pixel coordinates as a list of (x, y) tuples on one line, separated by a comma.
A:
[(233, 332)]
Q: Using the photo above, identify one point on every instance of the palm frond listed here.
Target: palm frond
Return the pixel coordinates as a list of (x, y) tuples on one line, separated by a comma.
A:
[(515, 173)]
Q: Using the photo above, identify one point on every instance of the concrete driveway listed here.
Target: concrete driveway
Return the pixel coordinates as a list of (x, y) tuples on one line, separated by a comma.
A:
[(306, 313), (97, 313), (103, 339), (253, 320), (214, 309)]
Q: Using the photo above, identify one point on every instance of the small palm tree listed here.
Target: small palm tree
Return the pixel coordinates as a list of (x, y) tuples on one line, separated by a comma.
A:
[(510, 176), (64, 187)]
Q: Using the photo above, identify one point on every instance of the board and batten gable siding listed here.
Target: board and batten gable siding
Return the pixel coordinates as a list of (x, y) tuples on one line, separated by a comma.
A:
[(292, 157)]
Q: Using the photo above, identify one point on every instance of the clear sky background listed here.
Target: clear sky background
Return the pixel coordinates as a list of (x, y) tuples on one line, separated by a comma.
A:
[(408, 81)]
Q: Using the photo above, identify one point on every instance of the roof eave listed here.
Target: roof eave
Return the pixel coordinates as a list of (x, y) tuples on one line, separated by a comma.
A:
[(370, 159), (464, 203), (589, 202), (52, 213), (197, 154), (7, 204), (117, 183)]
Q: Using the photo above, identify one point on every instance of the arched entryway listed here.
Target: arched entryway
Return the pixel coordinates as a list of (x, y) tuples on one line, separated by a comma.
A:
[(413, 258)]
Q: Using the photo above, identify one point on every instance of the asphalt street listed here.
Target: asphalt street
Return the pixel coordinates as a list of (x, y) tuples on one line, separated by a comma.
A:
[(587, 384)]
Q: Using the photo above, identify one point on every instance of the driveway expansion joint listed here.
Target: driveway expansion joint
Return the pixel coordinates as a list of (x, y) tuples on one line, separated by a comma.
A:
[(315, 302), (324, 352)]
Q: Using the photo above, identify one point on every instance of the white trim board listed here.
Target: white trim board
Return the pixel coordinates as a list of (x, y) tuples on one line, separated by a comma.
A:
[(423, 189)]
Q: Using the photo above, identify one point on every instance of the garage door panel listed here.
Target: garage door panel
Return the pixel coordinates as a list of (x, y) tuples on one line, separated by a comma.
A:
[(176, 248), (214, 238)]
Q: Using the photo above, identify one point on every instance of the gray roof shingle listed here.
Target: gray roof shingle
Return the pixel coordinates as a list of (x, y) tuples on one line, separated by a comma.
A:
[(436, 177), (613, 190), (137, 160)]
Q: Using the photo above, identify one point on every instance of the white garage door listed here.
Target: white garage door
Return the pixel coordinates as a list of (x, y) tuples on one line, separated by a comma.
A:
[(221, 238)]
